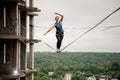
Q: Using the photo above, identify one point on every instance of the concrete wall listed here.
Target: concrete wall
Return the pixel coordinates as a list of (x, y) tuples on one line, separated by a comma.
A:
[(8, 65), (10, 27), (14, 55)]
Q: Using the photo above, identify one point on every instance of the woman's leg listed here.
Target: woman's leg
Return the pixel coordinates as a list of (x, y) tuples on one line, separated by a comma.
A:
[(59, 40)]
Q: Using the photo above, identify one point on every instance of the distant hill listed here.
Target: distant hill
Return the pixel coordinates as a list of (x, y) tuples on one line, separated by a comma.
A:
[(74, 59), (77, 64)]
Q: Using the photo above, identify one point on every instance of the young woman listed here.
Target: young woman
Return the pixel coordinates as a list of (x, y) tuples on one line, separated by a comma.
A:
[(59, 30)]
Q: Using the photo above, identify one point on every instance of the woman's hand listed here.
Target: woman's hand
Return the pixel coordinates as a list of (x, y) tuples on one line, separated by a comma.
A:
[(56, 13)]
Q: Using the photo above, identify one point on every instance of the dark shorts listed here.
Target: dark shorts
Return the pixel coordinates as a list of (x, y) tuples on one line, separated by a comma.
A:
[(59, 33)]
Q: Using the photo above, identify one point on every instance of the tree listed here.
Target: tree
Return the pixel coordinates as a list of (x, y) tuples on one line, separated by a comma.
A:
[(36, 78), (54, 75), (88, 73), (75, 78), (78, 77), (118, 75), (44, 78), (115, 66)]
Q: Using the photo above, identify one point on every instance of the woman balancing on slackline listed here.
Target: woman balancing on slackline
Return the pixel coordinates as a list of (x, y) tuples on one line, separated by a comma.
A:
[(59, 30)]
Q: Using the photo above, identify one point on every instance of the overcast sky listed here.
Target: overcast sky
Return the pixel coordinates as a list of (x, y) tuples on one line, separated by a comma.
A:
[(80, 14)]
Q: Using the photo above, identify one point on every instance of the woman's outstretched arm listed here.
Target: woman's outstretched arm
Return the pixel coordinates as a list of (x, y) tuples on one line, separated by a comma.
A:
[(49, 30)]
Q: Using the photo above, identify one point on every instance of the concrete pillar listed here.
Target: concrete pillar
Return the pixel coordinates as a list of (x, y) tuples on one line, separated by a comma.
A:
[(18, 43), (31, 44), (30, 3)]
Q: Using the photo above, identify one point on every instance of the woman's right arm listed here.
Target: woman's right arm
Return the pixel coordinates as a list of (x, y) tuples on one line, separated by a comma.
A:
[(49, 30)]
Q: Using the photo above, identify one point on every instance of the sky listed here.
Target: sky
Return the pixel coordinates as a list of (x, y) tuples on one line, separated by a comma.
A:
[(79, 16)]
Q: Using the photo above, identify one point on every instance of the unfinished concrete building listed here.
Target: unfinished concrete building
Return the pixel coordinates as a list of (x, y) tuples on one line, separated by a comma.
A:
[(13, 59)]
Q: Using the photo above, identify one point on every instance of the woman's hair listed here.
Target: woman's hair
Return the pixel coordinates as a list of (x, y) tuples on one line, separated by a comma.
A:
[(57, 18)]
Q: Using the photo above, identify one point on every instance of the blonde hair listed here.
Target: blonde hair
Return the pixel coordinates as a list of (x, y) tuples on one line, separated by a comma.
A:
[(57, 18)]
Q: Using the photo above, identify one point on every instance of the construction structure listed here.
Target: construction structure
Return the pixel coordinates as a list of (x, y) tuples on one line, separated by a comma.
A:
[(13, 39)]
